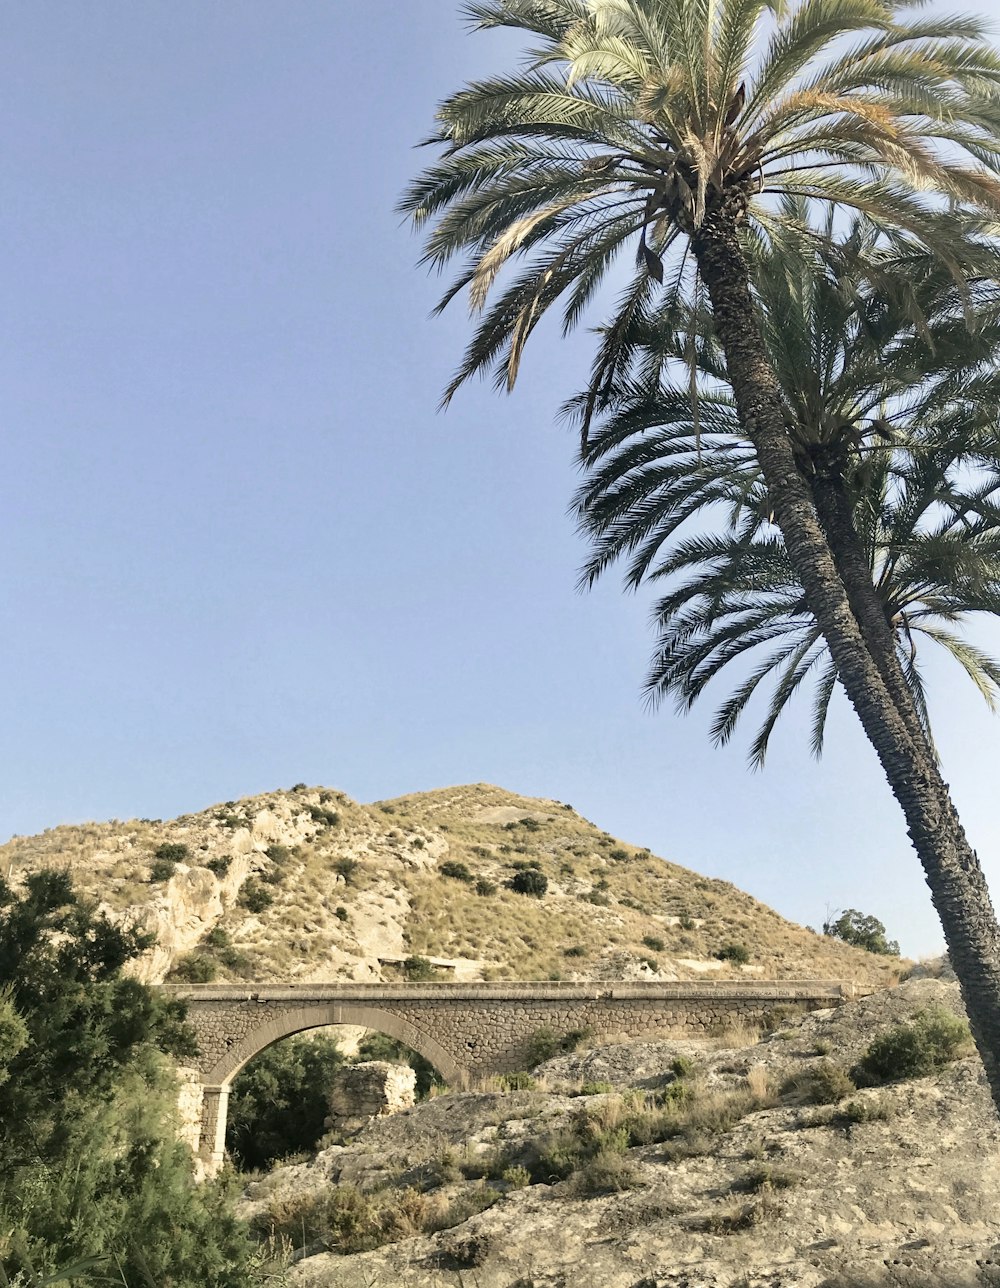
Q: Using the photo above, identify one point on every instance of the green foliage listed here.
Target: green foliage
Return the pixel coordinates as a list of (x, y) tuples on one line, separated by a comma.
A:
[(653, 942), (575, 950), (619, 854), (341, 913), (828, 1083), (278, 1103), (933, 1039), (254, 896), (161, 870), (218, 864), (457, 871), (855, 928), (325, 817), (529, 881), (171, 852), (91, 1168), (346, 866), (196, 968), (419, 968), (682, 1067), (544, 1044), (735, 953), (485, 887)]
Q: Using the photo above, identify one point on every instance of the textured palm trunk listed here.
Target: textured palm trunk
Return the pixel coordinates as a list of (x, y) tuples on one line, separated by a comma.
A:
[(957, 885), (835, 513)]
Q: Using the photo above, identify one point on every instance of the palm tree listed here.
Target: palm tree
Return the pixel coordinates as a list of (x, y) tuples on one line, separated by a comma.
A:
[(673, 126)]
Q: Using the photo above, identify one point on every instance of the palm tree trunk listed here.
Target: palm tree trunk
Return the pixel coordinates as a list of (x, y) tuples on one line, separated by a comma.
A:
[(835, 513), (958, 887)]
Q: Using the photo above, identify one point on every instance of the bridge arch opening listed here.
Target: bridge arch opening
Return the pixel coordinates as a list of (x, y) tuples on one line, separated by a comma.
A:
[(218, 1081)]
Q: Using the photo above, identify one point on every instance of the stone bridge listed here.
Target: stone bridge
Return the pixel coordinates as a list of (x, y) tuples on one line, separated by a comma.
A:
[(467, 1031)]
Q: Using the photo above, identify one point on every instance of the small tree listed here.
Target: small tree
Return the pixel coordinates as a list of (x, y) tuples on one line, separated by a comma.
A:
[(855, 928), (529, 881)]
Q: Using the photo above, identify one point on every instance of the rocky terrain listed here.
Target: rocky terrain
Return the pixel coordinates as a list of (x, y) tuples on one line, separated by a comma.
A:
[(307, 884), (751, 1183)]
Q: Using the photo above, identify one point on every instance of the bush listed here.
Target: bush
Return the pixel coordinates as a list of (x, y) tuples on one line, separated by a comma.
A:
[(278, 854), (325, 817), (196, 969), (340, 912), (531, 824), (575, 950), (933, 1039), (254, 896), (598, 898), (161, 871), (485, 887), (529, 881), (346, 867), (457, 871), (517, 1082), (419, 968), (653, 943), (171, 852), (218, 864), (619, 854), (826, 1084), (735, 953), (544, 1044), (516, 1177), (864, 932), (685, 921)]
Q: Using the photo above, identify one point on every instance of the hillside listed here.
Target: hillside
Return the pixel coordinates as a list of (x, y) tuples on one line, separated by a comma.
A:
[(308, 884)]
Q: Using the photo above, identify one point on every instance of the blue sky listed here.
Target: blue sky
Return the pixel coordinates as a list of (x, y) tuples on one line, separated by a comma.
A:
[(241, 548)]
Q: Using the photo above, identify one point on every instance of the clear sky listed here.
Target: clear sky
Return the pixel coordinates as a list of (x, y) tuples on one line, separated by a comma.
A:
[(240, 548)]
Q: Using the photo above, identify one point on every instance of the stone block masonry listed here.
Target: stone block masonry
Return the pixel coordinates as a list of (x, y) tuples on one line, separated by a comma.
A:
[(467, 1031)]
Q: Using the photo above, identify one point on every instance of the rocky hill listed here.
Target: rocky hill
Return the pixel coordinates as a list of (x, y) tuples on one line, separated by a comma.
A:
[(669, 1165), (308, 884)]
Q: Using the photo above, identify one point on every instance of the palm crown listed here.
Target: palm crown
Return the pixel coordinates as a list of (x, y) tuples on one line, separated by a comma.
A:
[(882, 379), (631, 118)]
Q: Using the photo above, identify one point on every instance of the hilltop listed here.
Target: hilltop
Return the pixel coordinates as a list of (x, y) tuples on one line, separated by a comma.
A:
[(308, 884)]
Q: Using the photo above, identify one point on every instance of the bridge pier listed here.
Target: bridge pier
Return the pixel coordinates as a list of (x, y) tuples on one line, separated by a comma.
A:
[(212, 1138)]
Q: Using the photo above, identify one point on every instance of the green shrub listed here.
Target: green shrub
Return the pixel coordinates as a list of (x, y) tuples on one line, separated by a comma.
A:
[(609, 1171), (575, 950), (766, 1178), (340, 912), (653, 943), (596, 1088), (417, 842), (457, 871), (218, 864), (531, 824), (485, 887), (685, 921), (345, 866), (516, 1177), (825, 1084), (161, 870), (529, 881), (195, 969), (299, 787), (735, 953), (933, 1039), (598, 898), (254, 896), (325, 817), (278, 854), (681, 1066), (619, 854), (419, 968), (517, 1082), (171, 852)]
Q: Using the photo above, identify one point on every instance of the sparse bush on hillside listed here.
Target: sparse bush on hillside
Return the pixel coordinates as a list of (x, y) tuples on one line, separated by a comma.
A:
[(654, 943), (485, 887), (531, 824), (853, 927), (254, 896), (933, 1039), (575, 950), (299, 787), (171, 852), (457, 871), (529, 881), (825, 1084), (735, 953), (345, 866), (218, 864), (161, 870), (619, 854), (341, 913), (685, 921), (197, 968), (322, 815)]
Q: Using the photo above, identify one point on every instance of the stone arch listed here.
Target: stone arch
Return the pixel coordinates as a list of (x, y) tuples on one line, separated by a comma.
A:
[(216, 1081), (321, 1016)]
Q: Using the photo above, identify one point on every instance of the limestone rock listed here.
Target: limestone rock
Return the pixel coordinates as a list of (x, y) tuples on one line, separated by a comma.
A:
[(371, 1089)]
